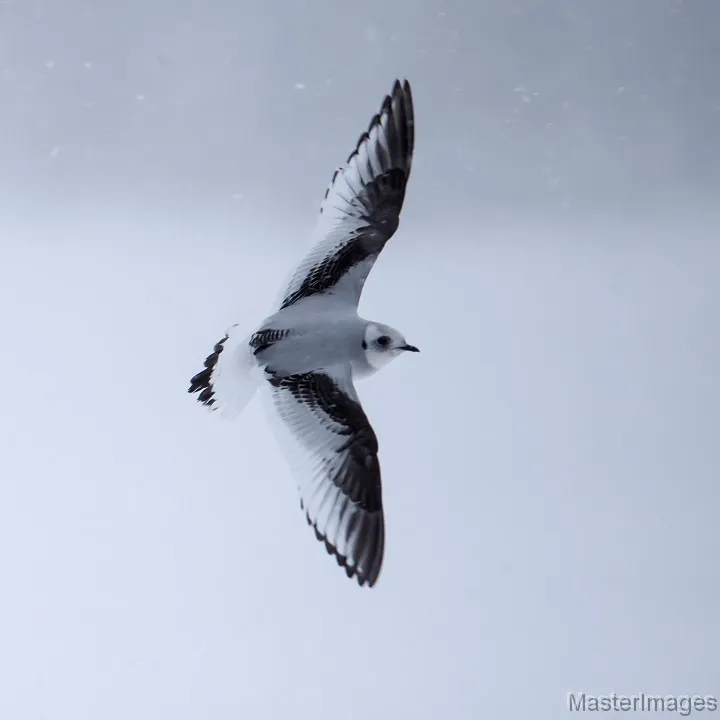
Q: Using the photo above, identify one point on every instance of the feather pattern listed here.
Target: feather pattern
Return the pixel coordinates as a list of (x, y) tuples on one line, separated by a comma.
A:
[(202, 382), (361, 208), (228, 380), (263, 339), (334, 453)]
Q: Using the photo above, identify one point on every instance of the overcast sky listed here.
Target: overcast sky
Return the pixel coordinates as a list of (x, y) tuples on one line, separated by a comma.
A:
[(550, 458)]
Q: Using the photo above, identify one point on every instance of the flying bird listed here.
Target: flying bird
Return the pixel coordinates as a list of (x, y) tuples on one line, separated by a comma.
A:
[(307, 355)]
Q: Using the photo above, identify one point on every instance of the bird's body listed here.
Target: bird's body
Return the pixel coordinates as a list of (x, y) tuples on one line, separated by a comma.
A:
[(306, 356), (319, 336)]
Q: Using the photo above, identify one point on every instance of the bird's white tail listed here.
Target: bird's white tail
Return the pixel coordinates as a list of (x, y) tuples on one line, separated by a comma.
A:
[(230, 378)]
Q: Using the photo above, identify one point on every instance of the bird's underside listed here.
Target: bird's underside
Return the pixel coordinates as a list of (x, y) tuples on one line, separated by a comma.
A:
[(309, 391)]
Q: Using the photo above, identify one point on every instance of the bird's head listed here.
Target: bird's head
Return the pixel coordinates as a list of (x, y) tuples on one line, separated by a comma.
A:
[(382, 343)]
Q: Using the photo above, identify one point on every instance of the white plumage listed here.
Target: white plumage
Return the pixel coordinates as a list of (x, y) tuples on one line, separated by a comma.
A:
[(306, 356)]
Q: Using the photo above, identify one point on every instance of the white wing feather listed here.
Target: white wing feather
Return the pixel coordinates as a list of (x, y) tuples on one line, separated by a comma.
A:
[(362, 205), (332, 452)]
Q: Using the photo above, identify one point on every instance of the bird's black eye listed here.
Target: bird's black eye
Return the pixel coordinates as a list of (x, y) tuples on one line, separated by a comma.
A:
[(383, 340)]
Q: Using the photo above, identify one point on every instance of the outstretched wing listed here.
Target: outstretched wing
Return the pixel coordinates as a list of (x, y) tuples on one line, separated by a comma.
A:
[(361, 209), (333, 452)]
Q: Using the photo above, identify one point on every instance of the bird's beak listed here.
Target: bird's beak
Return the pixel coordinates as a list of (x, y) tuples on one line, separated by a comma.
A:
[(409, 348)]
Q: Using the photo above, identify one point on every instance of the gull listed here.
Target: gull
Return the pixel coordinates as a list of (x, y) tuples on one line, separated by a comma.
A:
[(307, 355)]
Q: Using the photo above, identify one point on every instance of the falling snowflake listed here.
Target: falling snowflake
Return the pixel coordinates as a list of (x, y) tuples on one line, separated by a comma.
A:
[(299, 86), (371, 35)]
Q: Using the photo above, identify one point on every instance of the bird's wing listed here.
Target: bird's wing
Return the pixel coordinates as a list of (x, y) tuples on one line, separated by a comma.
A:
[(333, 453), (361, 209)]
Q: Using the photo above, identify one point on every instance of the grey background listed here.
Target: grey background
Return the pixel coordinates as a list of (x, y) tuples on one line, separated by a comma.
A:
[(550, 458)]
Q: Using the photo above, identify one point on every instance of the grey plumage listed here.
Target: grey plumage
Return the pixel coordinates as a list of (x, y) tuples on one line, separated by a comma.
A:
[(310, 351)]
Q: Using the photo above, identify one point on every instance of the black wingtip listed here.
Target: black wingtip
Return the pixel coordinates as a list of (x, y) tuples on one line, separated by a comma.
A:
[(363, 579), (399, 101)]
